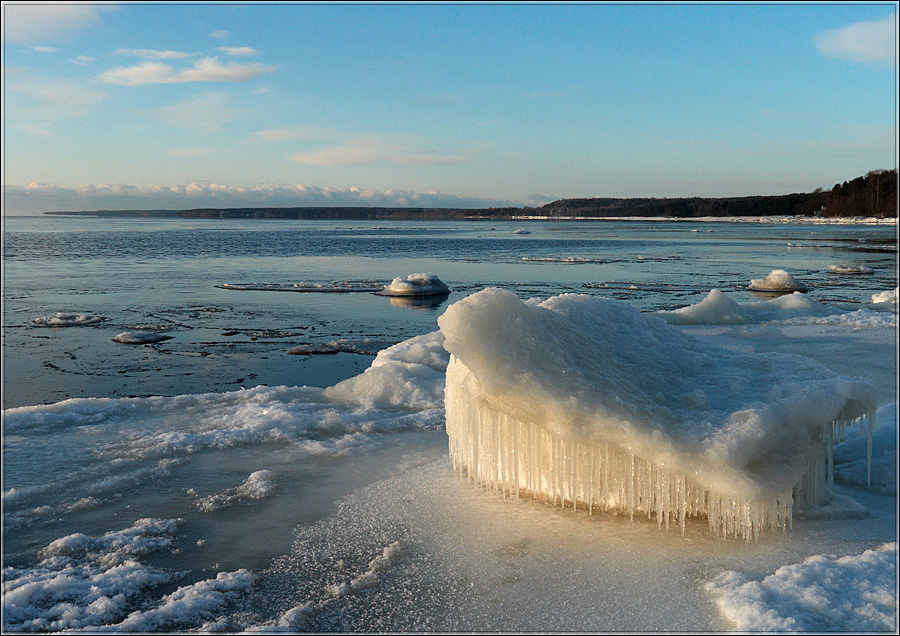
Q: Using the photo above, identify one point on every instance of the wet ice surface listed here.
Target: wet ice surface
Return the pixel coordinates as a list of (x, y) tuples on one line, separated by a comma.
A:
[(356, 520)]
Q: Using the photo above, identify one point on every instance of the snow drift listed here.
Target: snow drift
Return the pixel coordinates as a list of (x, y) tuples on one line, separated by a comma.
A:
[(585, 401)]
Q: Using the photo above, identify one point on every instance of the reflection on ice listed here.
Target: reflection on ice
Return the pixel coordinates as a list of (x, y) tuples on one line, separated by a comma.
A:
[(586, 401)]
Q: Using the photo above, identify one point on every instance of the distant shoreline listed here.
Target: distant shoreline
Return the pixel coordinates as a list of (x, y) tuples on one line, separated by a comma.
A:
[(455, 214)]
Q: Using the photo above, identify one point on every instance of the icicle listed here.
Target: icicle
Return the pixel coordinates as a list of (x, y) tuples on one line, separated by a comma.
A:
[(870, 417)]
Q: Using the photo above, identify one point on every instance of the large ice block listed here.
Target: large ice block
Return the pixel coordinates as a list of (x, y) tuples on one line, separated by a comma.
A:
[(587, 402)]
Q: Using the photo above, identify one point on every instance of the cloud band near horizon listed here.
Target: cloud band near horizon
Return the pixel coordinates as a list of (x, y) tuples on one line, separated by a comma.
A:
[(38, 197)]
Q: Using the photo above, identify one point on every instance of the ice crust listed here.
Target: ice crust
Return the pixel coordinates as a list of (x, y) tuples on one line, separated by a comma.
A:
[(585, 401), (778, 280), (415, 285)]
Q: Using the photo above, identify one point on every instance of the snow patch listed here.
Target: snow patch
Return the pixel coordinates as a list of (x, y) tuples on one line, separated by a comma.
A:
[(258, 485), (824, 593)]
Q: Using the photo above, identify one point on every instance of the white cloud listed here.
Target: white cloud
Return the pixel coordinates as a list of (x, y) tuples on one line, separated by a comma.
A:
[(285, 134), (366, 150), (82, 60), (238, 51), (221, 34), (869, 42), (42, 197), (206, 70), (28, 22), (153, 54), (44, 49)]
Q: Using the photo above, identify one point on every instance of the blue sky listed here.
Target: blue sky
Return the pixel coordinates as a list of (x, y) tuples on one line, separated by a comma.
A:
[(190, 105)]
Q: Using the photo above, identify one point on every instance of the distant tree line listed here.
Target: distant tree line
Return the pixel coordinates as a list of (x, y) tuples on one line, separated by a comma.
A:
[(874, 195)]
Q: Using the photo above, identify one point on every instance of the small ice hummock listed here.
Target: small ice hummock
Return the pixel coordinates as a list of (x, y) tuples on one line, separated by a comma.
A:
[(521, 231), (69, 319), (849, 269), (778, 280), (587, 402), (889, 296), (140, 337), (415, 285)]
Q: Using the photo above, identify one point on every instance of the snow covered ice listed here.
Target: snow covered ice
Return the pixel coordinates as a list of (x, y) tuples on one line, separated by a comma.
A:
[(778, 280), (580, 400), (69, 319), (415, 285)]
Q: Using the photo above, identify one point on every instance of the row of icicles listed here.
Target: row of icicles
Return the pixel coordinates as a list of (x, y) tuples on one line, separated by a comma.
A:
[(519, 458)]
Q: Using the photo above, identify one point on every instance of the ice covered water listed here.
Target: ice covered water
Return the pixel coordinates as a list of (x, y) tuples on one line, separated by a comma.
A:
[(214, 481), (581, 400)]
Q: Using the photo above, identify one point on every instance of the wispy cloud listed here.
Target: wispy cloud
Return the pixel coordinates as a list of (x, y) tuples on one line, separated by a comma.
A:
[(44, 49), (238, 51), (82, 60), (296, 132), (35, 104), (367, 150), (153, 54), (221, 34), (207, 112), (41, 197), (206, 70), (869, 42), (29, 22), (179, 153)]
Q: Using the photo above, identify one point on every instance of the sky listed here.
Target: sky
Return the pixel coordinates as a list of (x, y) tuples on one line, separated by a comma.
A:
[(185, 105)]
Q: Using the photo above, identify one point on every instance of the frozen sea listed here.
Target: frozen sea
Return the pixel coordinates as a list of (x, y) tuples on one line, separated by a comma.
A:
[(198, 435)]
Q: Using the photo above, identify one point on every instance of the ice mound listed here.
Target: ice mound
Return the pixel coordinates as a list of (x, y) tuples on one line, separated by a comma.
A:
[(718, 309), (69, 319), (888, 296), (521, 231), (140, 337), (582, 400), (849, 269), (415, 285), (778, 280)]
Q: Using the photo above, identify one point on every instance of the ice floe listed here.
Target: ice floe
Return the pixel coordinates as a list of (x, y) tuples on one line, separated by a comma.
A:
[(849, 269), (140, 337), (343, 286), (258, 485), (778, 280), (362, 346), (69, 319), (580, 400), (415, 285)]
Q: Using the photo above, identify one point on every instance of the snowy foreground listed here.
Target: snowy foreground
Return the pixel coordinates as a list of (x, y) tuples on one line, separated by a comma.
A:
[(166, 501)]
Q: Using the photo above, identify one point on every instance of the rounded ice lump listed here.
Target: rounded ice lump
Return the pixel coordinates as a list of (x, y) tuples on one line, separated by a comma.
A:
[(585, 400)]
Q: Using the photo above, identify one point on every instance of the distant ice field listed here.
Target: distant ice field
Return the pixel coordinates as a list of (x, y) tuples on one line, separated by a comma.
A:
[(279, 461)]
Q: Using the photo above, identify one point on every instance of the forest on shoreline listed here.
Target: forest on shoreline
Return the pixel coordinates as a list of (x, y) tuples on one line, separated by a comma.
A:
[(872, 195)]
